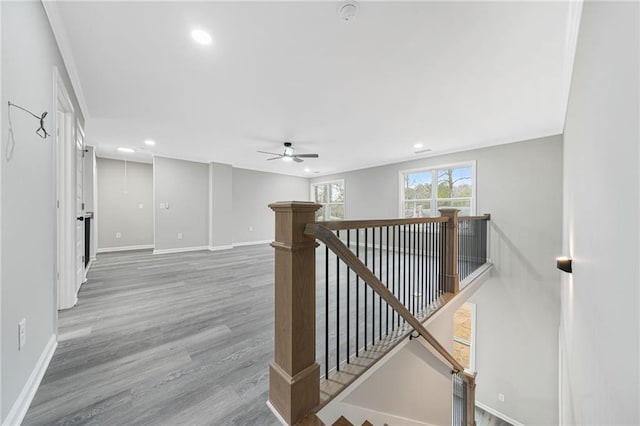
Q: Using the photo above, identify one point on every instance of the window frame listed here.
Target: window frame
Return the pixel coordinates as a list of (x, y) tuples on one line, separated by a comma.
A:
[(471, 343), (312, 194), (401, 173)]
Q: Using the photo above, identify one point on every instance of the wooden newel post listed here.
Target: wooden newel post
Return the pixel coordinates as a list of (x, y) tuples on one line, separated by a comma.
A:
[(449, 252), (471, 399), (294, 375)]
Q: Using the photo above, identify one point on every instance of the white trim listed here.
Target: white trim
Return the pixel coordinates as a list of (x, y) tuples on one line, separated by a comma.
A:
[(276, 413), (571, 43), (65, 181), (252, 243), (20, 407), (180, 250), (125, 248), (59, 33), (436, 167), (498, 414), (434, 154), (218, 248), (312, 194)]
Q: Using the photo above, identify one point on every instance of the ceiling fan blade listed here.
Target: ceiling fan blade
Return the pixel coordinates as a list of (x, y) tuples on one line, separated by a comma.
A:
[(306, 155), (297, 160), (275, 158), (270, 153)]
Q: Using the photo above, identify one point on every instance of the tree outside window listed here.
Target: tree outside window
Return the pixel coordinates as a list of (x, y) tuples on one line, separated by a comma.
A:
[(424, 192), (331, 196)]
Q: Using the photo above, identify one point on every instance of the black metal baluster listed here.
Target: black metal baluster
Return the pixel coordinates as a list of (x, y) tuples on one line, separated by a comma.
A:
[(366, 258), (404, 270), (393, 274), (357, 296), (326, 312), (387, 305), (348, 301), (380, 298), (337, 309), (373, 293)]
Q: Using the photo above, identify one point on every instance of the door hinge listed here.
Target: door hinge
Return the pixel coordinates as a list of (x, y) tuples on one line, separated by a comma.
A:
[(57, 204), (82, 206)]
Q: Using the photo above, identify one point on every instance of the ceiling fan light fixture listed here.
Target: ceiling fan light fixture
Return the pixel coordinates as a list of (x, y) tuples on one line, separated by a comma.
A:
[(287, 158)]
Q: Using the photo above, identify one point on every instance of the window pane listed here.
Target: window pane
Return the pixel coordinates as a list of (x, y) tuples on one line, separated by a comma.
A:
[(337, 193), (320, 193), (417, 186), (454, 183), (462, 353), (417, 208), (464, 205), (320, 214), (337, 211)]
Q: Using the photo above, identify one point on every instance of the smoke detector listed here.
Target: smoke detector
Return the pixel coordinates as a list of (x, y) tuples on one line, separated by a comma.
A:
[(348, 10)]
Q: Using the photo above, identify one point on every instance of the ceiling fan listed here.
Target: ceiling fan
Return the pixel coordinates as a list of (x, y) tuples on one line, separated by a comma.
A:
[(288, 154)]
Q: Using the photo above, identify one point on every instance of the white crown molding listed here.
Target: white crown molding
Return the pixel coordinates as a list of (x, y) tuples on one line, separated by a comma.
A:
[(57, 27), (571, 43)]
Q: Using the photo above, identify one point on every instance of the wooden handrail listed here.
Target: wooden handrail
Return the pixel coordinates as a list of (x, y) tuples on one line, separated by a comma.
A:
[(485, 216), (338, 225), (324, 234)]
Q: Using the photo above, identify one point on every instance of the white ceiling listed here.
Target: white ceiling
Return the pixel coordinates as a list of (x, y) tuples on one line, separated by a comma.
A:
[(453, 75)]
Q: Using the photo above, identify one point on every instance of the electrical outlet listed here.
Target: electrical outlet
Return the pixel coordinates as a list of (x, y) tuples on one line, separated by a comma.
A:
[(501, 397), (140, 206), (179, 235), (118, 234), (22, 333)]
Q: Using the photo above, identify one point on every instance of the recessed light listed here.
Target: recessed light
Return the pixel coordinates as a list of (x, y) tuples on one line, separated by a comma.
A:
[(287, 158), (201, 37), (125, 149), (307, 170), (149, 142), (418, 145)]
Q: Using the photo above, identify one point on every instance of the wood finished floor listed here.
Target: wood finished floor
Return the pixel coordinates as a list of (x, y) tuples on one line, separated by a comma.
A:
[(165, 340), (172, 339)]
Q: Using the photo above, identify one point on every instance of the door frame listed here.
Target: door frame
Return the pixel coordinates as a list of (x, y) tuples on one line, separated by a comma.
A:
[(65, 295)]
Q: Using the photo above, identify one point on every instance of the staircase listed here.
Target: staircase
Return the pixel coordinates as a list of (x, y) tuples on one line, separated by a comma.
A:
[(361, 320), (344, 422)]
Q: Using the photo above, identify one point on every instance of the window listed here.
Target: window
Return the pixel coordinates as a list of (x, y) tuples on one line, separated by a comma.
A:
[(331, 196), (424, 192), (463, 335)]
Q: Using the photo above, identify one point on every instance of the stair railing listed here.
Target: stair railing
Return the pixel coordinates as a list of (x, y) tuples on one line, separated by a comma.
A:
[(294, 375)]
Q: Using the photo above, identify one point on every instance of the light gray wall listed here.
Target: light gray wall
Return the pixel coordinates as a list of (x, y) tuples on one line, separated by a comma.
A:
[(122, 188), (221, 205), (518, 307), (600, 303), (252, 193), (29, 52), (184, 185)]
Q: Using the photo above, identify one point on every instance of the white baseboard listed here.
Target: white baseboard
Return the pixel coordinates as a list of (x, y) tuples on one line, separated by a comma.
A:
[(216, 248), (124, 248), (498, 414), (20, 407), (180, 250), (252, 243), (276, 413)]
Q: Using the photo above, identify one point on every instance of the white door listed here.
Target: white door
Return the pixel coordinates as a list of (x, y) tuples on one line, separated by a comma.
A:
[(66, 175), (79, 202)]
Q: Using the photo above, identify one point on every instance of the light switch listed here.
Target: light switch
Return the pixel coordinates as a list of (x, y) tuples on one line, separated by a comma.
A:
[(140, 206)]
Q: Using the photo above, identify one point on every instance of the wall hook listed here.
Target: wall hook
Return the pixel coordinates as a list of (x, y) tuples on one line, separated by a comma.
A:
[(42, 132)]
